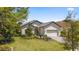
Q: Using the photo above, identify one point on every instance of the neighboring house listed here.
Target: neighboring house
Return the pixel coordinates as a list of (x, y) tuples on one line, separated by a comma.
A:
[(64, 25), (51, 29)]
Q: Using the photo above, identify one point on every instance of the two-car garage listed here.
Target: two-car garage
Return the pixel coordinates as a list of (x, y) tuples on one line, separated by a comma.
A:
[(52, 32)]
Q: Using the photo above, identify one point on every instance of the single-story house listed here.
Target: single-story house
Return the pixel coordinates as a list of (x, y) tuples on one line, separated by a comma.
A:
[(51, 29)]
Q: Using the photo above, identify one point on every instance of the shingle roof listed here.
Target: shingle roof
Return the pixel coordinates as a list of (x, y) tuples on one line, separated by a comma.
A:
[(47, 23), (63, 24), (32, 22), (35, 21), (44, 24), (41, 24)]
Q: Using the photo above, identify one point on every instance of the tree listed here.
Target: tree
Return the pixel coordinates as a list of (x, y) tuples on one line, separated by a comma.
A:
[(9, 19), (20, 13), (71, 33)]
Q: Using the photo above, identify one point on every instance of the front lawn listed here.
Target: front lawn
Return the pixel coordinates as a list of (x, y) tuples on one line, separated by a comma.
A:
[(22, 44)]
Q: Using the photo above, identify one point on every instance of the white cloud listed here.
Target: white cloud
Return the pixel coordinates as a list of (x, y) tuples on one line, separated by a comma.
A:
[(70, 9)]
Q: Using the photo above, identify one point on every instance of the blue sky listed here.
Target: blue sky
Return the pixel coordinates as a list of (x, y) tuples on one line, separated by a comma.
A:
[(46, 14)]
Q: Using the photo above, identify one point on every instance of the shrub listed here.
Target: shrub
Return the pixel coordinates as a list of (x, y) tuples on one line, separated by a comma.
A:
[(63, 33), (4, 40), (29, 31), (1, 38), (5, 48), (45, 37)]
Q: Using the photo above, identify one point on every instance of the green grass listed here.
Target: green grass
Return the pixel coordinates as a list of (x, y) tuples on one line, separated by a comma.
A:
[(22, 44)]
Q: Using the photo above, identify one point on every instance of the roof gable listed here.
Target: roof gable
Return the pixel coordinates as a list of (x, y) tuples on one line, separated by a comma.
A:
[(40, 24), (53, 24), (52, 28), (32, 22), (48, 23)]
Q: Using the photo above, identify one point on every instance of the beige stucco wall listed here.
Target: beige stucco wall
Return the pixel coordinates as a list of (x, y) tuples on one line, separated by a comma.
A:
[(54, 33), (23, 31)]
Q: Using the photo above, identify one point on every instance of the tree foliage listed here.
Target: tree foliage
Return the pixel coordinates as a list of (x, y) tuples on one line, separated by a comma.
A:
[(9, 19), (71, 33)]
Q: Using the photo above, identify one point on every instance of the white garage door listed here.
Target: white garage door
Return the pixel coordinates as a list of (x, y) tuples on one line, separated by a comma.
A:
[(51, 33)]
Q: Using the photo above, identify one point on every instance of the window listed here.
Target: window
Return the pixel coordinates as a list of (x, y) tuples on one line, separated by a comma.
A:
[(51, 31)]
